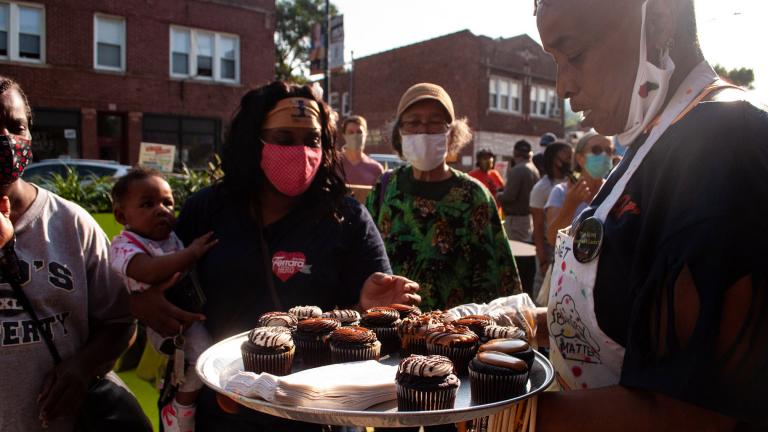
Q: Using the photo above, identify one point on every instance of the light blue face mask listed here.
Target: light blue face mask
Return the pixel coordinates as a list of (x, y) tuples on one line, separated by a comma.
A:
[(598, 166)]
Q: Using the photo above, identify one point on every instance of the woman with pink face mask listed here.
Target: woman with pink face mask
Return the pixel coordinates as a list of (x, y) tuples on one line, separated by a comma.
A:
[(288, 234), (440, 225)]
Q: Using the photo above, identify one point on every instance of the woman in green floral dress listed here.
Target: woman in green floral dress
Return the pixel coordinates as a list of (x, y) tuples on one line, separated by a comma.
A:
[(439, 225)]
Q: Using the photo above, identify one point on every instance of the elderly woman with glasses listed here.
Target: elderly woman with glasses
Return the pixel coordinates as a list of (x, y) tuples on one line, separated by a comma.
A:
[(593, 161), (440, 226)]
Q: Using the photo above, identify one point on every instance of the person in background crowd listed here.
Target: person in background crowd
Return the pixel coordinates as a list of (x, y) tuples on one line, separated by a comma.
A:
[(287, 234), (359, 169), (439, 225), (557, 164), (516, 195), (64, 262), (658, 313), (538, 159), (486, 174), (593, 161)]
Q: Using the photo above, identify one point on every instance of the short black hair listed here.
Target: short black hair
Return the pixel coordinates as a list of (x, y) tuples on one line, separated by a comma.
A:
[(123, 184), (550, 154)]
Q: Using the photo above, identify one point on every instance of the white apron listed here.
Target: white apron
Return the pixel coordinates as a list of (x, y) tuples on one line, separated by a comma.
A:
[(582, 354)]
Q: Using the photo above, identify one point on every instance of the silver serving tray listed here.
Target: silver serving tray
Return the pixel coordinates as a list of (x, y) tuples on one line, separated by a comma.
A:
[(223, 359)]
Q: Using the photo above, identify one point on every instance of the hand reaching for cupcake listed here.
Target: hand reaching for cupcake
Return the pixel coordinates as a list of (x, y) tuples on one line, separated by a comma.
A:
[(382, 289)]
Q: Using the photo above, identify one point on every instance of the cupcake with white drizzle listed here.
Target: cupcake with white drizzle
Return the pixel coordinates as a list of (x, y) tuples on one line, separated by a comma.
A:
[(268, 349), (426, 383)]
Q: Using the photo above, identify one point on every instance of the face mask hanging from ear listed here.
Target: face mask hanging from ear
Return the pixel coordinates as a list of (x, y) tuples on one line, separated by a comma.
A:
[(650, 89)]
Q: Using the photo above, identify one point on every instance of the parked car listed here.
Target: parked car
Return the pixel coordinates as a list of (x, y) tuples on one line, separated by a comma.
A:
[(39, 172), (388, 161)]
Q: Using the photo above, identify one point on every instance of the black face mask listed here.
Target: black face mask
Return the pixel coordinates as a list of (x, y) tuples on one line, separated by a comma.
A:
[(15, 155)]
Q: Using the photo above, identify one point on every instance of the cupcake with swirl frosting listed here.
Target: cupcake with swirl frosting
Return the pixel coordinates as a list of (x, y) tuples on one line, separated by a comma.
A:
[(347, 317), (502, 332), (426, 383), (353, 343), (412, 331), (456, 342), (278, 319), (496, 376), (476, 323), (383, 321), (304, 312), (406, 310), (310, 337), (268, 349)]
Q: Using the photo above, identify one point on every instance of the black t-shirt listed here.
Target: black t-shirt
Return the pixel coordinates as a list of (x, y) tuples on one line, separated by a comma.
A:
[(315, 260), (697, 206)]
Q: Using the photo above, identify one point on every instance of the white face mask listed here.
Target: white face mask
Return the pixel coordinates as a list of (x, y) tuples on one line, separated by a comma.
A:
[(354, 141), (425, 151), (649, 92)]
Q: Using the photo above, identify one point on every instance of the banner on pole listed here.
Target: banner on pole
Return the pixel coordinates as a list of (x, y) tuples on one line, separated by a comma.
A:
[(317, 49), (337, 42)]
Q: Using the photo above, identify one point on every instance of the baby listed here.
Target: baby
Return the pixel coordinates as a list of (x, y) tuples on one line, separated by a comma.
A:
[(146, 253)]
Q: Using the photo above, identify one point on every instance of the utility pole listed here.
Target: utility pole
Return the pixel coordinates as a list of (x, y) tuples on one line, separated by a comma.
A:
[(328, 51)]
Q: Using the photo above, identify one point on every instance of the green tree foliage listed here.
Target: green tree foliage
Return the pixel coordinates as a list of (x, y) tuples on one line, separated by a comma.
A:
[(743, 77), (294, 20)]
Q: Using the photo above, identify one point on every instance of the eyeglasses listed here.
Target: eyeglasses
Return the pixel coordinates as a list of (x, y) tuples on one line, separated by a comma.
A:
[(598, 150), (413, 127)]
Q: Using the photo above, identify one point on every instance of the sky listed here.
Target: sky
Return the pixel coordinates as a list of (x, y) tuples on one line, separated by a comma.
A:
[(728, 31)]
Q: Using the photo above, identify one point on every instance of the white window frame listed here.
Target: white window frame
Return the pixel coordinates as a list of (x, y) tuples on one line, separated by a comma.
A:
[(345, 111), (192, 55), (13, 32), (494, 85), (123, 45), (550, 101)]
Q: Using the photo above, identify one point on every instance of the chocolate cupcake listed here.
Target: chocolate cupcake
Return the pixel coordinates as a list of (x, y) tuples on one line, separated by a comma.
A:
[(348, 317), (268, 349), (405, 310), (412, 331), (426, 383), (383, 321), (502, 332), (353, 343), (310, 339), (476, 323), (304, 312), (514, 347), (458, 343), (278, 319), (496, 376)]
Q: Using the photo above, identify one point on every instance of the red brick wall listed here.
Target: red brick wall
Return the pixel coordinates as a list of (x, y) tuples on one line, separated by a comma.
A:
[(459, 63), (68, 79)]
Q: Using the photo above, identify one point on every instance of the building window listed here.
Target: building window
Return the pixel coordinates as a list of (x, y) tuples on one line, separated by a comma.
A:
[(109, 43), (544, 101), (334, 102), (504, 95), (196, 139), (204, 55), (345, 108), (22, 32)]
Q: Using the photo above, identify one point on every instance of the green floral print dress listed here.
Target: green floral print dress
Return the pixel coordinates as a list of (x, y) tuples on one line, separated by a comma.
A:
[(445, 235)]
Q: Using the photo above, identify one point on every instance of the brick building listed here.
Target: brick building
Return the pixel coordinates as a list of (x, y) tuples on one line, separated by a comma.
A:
[(104, 76), (505, 88)]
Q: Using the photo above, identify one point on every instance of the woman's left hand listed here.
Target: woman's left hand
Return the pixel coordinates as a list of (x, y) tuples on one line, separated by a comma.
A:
[(63, 391), (382, 289)]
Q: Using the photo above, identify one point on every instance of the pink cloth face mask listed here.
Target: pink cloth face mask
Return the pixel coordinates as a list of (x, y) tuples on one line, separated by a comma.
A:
[(291, 169)]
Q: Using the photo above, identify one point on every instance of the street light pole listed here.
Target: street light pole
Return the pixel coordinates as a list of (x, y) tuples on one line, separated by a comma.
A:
[(328, 51)]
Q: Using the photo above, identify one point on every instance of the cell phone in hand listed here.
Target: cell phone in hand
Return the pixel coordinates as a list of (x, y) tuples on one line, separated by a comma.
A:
[(187, 294)]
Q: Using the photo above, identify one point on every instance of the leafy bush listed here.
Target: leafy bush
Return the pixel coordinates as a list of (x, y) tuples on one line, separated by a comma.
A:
[(93, 193)]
